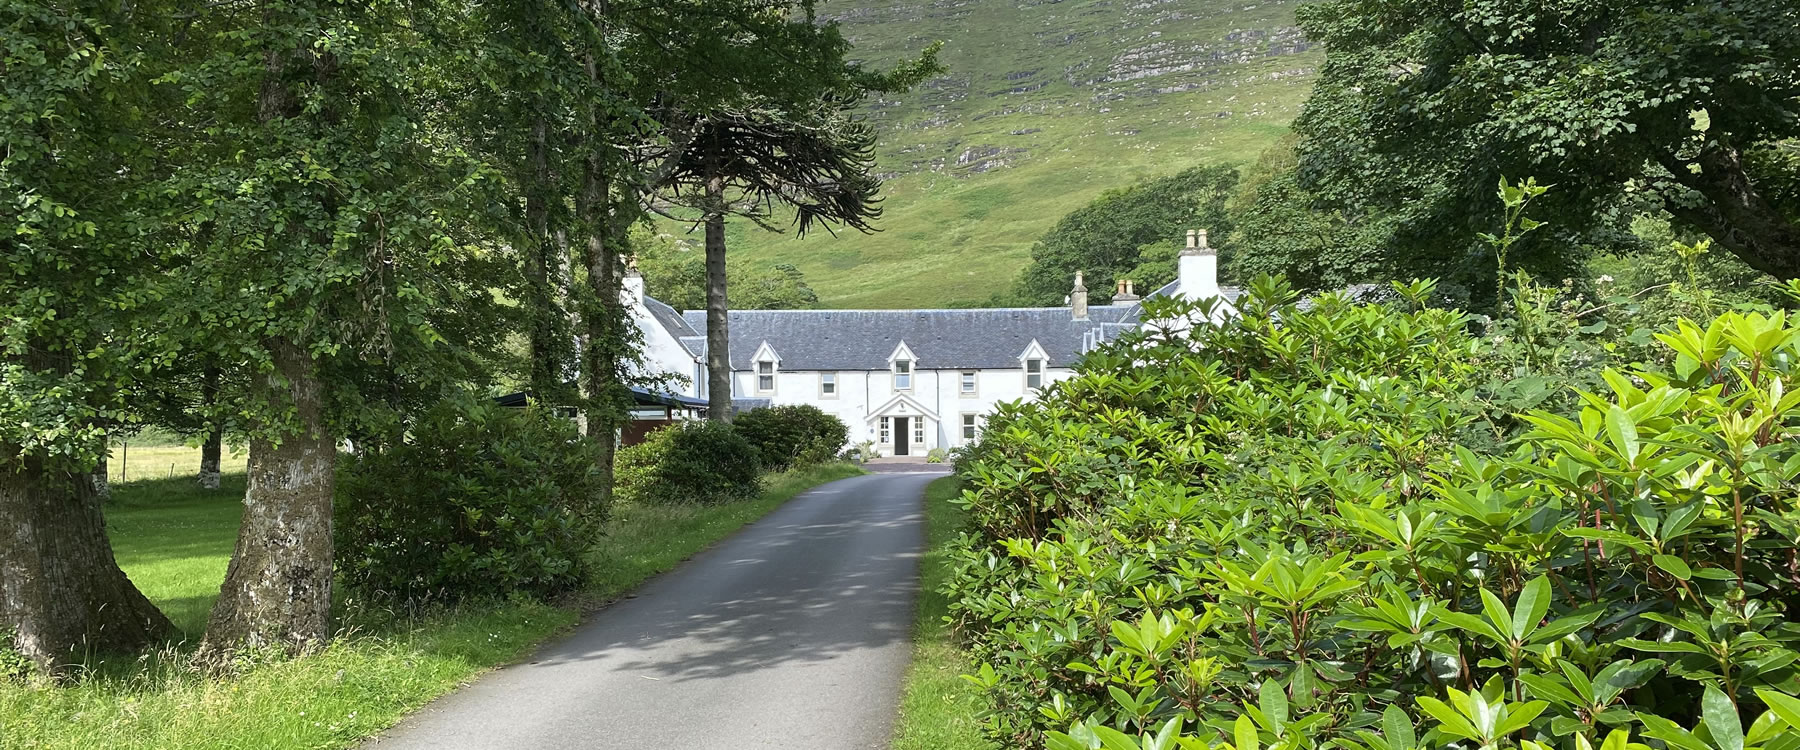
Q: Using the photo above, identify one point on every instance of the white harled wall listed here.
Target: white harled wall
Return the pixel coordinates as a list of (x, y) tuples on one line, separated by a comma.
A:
[(862, 392)]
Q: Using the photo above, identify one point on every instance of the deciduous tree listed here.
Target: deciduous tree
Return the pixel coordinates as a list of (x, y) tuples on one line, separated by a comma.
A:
[(1421, 107), (74, 263)]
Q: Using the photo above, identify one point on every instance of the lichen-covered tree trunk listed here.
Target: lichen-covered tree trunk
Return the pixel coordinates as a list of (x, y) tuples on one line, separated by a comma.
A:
[(62, 594), (211, 453), (102, 481), (215, 436), (277, 590)]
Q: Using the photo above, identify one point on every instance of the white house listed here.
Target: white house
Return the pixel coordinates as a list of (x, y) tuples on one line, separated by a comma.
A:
[(907, 380)]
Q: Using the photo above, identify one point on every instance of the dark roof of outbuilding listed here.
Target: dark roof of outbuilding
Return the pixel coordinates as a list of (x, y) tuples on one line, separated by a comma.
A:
[(641, 396), (991, 338)]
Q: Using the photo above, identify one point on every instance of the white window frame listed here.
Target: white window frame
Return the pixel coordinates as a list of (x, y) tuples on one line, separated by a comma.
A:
[(918, 429), (828, 385), (903, 380), (971, 425), (772, 371), (1039, 375), (968, 383), (886, 434)]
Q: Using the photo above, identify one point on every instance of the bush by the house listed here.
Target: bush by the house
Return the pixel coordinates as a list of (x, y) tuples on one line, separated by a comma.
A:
[(478, 500), (797, 435), (1322, 529), (698, 462)]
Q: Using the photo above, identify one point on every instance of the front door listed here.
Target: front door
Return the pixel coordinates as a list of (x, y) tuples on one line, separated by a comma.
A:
[(902, 434)]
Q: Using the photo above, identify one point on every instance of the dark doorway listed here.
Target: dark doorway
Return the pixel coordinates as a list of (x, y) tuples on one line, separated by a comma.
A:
[(902, 433)]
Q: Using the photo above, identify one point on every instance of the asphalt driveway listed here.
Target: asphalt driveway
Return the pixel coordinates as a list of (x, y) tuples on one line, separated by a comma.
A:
[(795, 633)]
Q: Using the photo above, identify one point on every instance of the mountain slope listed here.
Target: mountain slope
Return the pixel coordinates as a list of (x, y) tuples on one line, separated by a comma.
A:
[(1046, 104)]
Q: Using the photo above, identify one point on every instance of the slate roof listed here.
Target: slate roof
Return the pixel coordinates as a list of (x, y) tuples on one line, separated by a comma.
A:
[(676, 325), (1231, 293), (991, 338)]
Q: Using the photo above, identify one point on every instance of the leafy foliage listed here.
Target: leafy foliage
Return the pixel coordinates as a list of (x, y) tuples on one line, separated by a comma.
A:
[(692, 462), (1691, 105), (1323, 527), (796, 435), (1124, 234), (480, 501), (677, 276)]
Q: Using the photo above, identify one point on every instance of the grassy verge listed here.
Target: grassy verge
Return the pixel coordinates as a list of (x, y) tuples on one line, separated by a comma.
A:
[(939, 710), (175, 541)]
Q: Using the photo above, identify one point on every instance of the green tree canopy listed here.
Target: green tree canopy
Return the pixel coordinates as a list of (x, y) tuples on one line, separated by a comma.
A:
[(1421, 107), (1109, 238)]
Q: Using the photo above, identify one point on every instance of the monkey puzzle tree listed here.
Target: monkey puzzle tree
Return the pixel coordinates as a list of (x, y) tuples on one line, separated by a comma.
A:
[(1422, 106), (74, 258), (795, 144)]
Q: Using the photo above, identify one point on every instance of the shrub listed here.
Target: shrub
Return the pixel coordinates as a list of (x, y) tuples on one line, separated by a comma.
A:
[(787, 436), (1311, 528), (700, 462), (478, 500)]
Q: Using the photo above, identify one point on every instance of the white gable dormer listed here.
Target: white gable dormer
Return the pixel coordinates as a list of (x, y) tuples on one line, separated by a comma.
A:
[(1034, 363), (765, 365), (904, 366)]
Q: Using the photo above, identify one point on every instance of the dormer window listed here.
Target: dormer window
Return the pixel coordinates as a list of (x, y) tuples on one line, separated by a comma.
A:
[(765, 376), (902, 374), (1034, 373), (766, 364)]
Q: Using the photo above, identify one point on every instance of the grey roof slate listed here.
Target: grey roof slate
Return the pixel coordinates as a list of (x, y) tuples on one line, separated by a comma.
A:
[(1231, 293), (671, 320), (991, 338)]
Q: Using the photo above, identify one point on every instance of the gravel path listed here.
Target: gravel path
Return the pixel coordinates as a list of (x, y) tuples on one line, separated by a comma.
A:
[(795, 633)]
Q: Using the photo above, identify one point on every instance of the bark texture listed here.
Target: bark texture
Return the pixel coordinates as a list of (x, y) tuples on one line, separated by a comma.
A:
[(602, 360), (210, 454), (1735, 213), (277, 590), (102, 480), (540, 262), (718, 307), (62, 594)]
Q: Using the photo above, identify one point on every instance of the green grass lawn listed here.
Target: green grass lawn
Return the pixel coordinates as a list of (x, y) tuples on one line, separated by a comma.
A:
[(159, 458), (940, 710), (175, 540)]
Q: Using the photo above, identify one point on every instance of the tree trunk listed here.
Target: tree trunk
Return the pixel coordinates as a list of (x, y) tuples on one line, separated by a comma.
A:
[(606, 322), (718, 308), (277, 590), (62, 594), (215, 436), (1735, 213), (102, 482), (547, 376), (210, 454)]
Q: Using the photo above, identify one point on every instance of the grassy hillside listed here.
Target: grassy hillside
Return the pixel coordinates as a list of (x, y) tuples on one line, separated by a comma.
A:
[(1046, 104)]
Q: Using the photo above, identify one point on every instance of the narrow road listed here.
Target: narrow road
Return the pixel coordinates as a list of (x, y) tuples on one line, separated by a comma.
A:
[(795, 634)]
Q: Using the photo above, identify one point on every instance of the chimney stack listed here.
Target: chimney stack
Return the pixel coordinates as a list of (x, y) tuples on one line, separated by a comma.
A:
[(1198, 267), (1124, 292), (1078, 299), (633, 284)]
